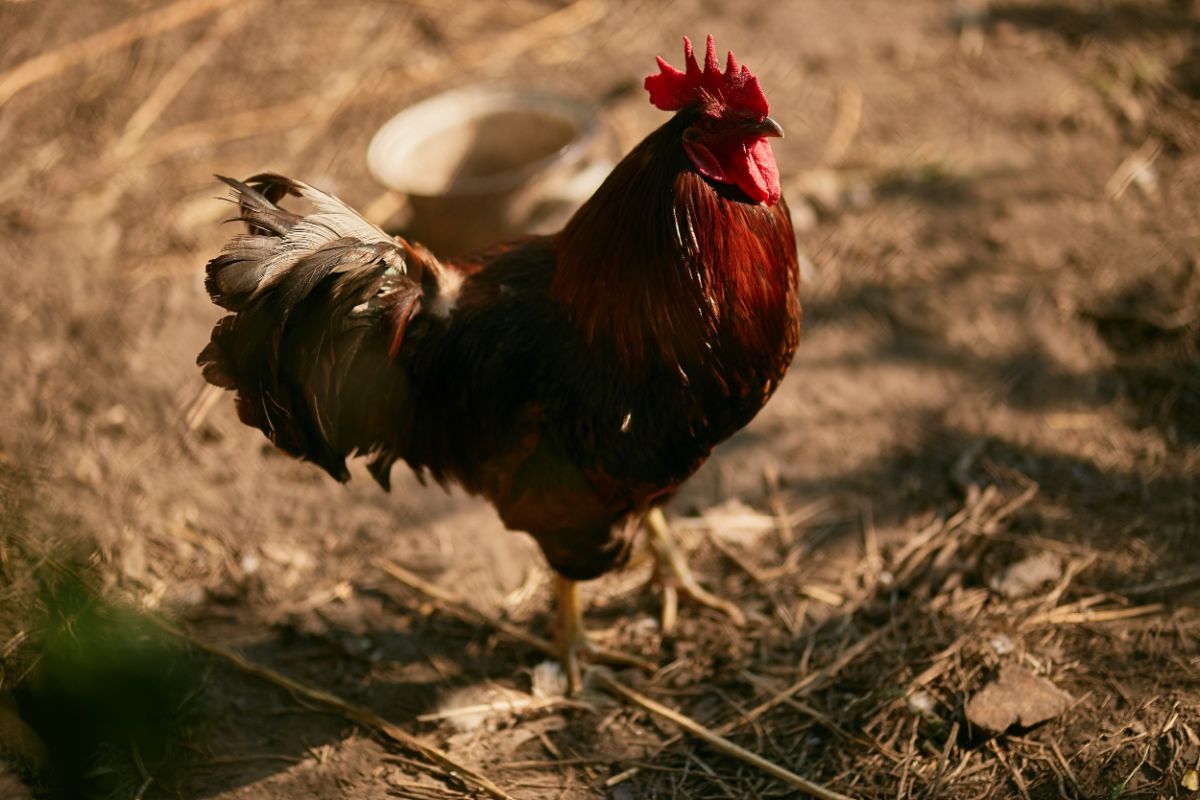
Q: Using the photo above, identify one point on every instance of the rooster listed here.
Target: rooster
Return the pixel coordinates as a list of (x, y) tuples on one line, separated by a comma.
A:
[(574, 380)]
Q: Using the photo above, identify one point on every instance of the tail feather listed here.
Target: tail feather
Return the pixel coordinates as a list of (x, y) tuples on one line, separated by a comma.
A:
[(235, 274), (321, 302), (257, 200)]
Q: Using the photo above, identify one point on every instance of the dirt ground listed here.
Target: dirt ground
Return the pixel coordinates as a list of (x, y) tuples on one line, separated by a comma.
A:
[(999, 208)]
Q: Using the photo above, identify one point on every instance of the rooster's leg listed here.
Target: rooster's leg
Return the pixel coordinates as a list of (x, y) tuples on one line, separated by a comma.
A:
[(571, 639), (672, 573), (569, 634)]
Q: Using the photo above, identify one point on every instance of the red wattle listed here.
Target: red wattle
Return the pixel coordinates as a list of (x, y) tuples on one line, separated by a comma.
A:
[(747, 164), (758, 176)]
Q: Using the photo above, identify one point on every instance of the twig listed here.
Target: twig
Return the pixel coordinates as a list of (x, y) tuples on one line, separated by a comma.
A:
[(845, 659), (785, 530), (762, 684), (460, 609), (224, 128), (201, 133), (1074, 568), (951, 738), (1011, 507), (555, 26), (719, 742), (347, 85), (520, 702), (1066, 767), (1012, 770), (914, 555), (1135, 164), (1173, 583), (359, 714), (1060, 616), (821, 594), (474, 616), (798, 689), (849, 115), (310, 115), (756, 523), (149, 23), (621, 777), (204, 402), (557, 763), (177, 77), (743, 564), (147, 778), (940, 664)]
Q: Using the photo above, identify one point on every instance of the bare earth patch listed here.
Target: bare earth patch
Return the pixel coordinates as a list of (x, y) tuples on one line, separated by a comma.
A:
[(983, 464)]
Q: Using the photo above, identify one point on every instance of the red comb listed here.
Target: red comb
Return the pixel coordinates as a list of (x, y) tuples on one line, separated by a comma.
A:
[(671, 89)]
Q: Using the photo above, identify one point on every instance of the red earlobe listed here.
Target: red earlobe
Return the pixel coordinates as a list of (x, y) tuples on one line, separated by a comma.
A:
[(705, 162)]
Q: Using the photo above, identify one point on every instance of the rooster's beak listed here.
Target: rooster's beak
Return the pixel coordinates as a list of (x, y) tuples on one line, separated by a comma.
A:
[(769, 127)]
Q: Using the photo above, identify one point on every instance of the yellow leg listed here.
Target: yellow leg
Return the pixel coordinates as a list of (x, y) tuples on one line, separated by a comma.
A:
[(569, 633), (571, 638), (672, 573)]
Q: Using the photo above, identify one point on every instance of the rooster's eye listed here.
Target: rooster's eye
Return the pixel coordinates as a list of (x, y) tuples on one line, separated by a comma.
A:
[(702, 126)]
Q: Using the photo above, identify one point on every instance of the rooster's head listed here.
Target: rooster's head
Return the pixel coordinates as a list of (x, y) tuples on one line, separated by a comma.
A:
[(727, 141)]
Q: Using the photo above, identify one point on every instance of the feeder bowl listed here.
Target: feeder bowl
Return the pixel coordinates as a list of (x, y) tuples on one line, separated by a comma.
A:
[(481, 165)]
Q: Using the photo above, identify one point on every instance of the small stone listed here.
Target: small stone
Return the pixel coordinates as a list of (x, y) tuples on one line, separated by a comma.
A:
[(548, 680), (1002, 644), (1027, 575), (114, 419), (1016, 697), (922, 703)]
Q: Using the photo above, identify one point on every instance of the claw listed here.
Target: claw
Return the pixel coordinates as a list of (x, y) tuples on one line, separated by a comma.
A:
[(572, 641), (675, 577)]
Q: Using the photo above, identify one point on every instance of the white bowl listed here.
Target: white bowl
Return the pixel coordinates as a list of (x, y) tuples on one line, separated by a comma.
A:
[(483, 164)]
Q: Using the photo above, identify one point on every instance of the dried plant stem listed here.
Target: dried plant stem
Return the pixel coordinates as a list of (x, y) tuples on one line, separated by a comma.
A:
[(211, 132), (177, 77), (358, 714), (1066, 616), (1170, 584), (362, 716), (1015, 773), (474, 616), (849, 115), (150, 23), (845, 659), (762, 684), (509, 45), (1127, 171), (505, 704), (200, 406), (463, 611), (798, 689), (719, 742)]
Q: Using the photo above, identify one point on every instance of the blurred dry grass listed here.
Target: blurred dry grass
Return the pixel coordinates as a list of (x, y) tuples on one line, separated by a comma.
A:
[(999, 209)]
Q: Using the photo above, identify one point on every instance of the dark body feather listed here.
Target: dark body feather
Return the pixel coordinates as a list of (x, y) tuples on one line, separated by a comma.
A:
[(574, 380)]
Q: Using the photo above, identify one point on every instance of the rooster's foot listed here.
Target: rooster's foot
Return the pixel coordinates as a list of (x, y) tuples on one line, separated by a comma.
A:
[(571, 639), (672, 573)]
